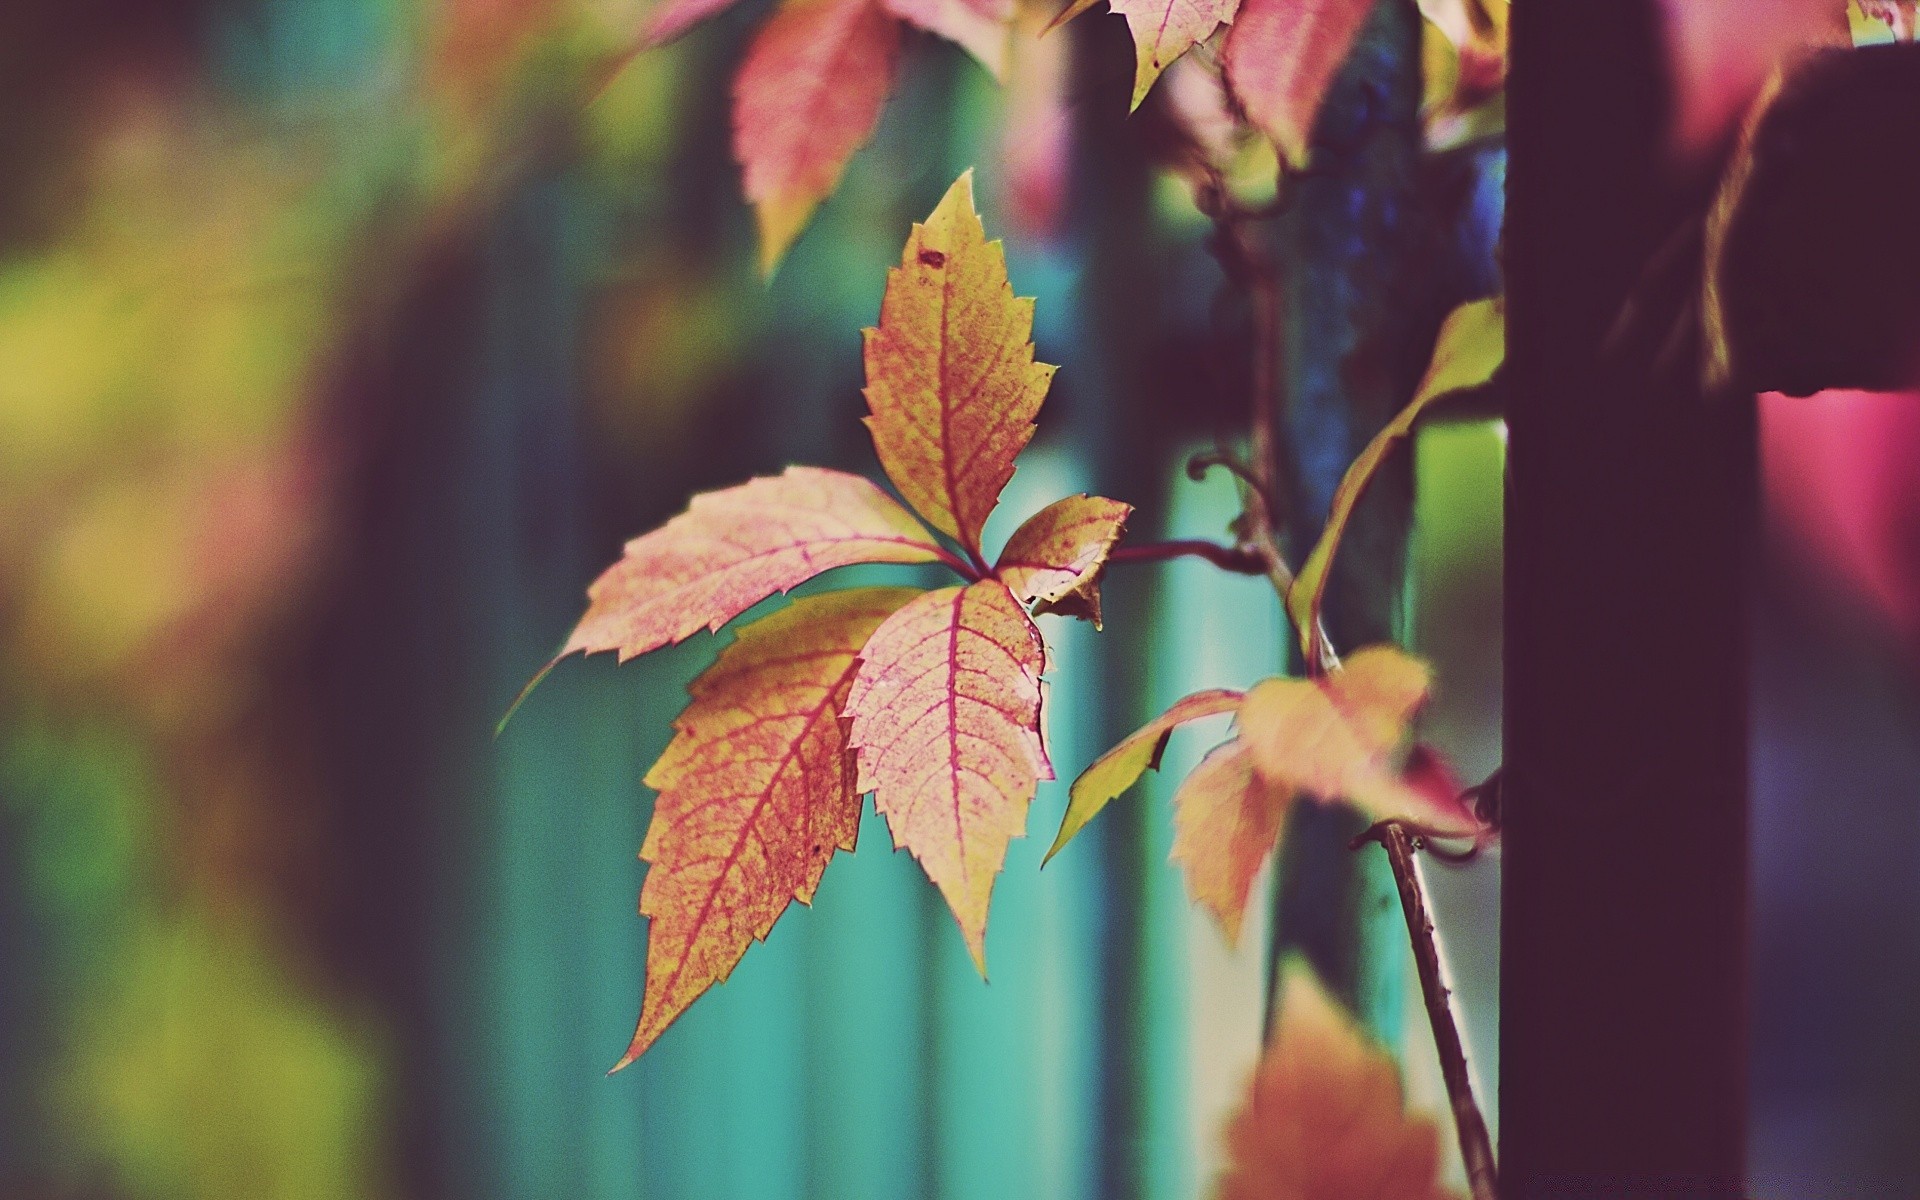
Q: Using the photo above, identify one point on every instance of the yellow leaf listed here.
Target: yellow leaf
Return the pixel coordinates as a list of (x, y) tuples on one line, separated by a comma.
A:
[(951, 379), (1471, 346)]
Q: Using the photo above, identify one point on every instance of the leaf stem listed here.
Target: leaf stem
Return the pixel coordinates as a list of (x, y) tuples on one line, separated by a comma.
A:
[(1237, 559), (1476, 1149)]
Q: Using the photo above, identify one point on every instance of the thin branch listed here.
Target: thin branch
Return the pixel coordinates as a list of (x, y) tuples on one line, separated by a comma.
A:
[(1227, 558), (1476, 1149)]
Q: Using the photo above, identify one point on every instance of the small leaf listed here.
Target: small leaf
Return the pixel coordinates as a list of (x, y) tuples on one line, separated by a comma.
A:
[(946, 729), (1280, 58), (1226, 821), (950, 373), (1054, 560), (732, 549), (1332, 737), (1324, 1115), (1470, 348), (756, 794), (1163, 30), (1121, 767), (807, 97), (980, 27)]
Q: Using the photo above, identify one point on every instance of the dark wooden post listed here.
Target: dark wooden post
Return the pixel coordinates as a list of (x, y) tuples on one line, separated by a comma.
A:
[(1623, 1046)]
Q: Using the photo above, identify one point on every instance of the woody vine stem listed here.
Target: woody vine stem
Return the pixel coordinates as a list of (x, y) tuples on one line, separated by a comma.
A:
[(1257, 275)]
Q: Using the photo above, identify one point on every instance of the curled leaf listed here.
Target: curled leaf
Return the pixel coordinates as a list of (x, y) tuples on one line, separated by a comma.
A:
[(1280, 59), (1332, 737), (945, 718), (733, 548), (1054, 560), (1325, 1116), (807, 97), (756, 794), (1121, 767), (951, 379), (1470, 348), (1226, 822)]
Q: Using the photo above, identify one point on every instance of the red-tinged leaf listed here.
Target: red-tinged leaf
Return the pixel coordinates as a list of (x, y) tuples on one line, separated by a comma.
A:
[(671, 18), (756, 795), (1226, 821), (1055, 559), (1280, 58), (732, 549), (1333, 737), (1163, 30), (1121, 767), (808, 95), (950, 373), (980, 27), (1471, 347), (946, 728), (1324, 1115)]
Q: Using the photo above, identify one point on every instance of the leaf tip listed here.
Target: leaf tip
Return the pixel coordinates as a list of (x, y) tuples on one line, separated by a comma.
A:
[(526, 691), (781, 220)]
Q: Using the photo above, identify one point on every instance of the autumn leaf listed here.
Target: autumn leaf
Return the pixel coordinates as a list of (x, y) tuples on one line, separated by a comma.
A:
[(945, 718), (951, 379), (1280, 58), (1226, 822), (756, 794), (1324, 1115), (1470, 348), (1163, 30), (1055, 559), (733, 548), (980, 27), (1333, 737), (1121, 767), (807, 97)]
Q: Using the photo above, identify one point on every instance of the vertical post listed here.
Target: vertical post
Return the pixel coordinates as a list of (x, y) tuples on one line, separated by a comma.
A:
[(1630, 498)]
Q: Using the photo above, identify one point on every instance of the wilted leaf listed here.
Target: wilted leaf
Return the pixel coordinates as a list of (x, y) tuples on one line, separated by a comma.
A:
[(1121, 767), (1226, 821), (1470, 348), (1332, 737), (1281, 57), (950, 373), (946, 728), (808, 95), (1055, 559), (981, 27), (732, 549), (756, 794), (1324, 1115), (1163, 30)]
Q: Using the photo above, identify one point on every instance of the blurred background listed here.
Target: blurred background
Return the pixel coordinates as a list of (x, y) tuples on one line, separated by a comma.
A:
[(343, 341)]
